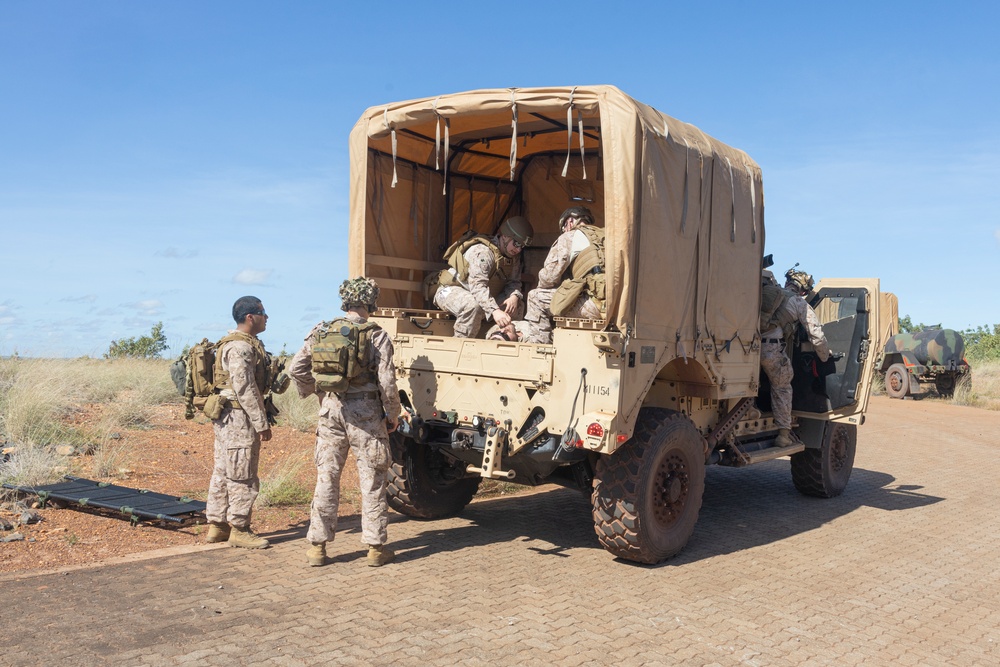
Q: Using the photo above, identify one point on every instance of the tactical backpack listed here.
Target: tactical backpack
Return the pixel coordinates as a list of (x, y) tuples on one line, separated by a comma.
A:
[(199, 375), (772, 313), (587, 274), (193, 375), (339, 351)]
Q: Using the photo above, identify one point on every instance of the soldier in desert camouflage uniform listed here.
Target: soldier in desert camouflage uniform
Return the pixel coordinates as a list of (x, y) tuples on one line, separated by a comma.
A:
[(579, 251), (240, 377), (484, 278), (358, 408), (782, 311)]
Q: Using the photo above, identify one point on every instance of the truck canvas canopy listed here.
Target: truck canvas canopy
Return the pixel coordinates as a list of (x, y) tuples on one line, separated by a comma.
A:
[(424, 172)]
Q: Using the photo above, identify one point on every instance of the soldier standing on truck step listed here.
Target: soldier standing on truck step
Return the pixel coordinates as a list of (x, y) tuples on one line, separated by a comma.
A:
[(240, 376), (781, 313), (578, 252), (347, 363), (483, 278)]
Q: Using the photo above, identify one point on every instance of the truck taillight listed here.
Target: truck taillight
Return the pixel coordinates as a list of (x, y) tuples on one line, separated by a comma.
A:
[(595, 430), (622, 437)]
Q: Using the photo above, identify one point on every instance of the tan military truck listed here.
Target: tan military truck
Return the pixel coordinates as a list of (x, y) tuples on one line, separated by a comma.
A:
[(630, 408)]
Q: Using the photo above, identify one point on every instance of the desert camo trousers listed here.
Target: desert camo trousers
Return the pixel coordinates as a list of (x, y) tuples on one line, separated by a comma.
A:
[(468, 315), (356, 425), (540, 313), (778, 367), (234, 484)]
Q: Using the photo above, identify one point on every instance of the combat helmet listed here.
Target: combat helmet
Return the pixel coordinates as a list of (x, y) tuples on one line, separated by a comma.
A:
[(800, 281), (517, 228), (359, 291), (579, 212)]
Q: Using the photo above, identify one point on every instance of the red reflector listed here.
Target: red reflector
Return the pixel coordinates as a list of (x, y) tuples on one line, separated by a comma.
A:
[(595, 429), (579, 443), (434, 414), (622, 437)]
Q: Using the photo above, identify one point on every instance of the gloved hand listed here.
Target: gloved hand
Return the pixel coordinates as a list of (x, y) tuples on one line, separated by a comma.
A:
[(836, 356)]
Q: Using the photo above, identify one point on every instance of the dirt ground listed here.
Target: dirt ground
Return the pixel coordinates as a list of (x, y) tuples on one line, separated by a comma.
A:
[(172, 456)]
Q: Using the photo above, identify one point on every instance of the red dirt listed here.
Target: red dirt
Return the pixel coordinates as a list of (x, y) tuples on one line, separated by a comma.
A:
[(172, 456)]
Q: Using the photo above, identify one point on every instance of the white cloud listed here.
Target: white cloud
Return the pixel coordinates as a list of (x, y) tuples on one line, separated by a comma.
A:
[(176, 253), (86, 298), (253, 276), (146, 307)]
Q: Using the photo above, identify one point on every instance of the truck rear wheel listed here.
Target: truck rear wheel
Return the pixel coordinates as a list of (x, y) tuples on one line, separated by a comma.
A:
[(824, 472), (945, 384), (647, 494), (897, 381), (423, 484)]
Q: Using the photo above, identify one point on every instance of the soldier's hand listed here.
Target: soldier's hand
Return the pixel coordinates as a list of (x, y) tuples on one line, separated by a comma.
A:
[(501, 318), (510, 304), (265, 435), (391, 423)]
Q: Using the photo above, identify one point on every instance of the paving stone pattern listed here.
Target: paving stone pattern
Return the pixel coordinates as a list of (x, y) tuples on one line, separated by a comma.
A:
[(900, 570)]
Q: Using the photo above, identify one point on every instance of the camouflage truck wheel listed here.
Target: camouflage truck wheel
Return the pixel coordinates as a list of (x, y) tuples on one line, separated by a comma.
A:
[(647, 494), (897, 381), (423, 484), (824, 472)]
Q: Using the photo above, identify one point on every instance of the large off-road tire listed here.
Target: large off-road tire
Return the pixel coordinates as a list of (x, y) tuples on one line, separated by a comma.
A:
[(824, 472), (423, 484), (647, 494), (897, 381), (945, 384)]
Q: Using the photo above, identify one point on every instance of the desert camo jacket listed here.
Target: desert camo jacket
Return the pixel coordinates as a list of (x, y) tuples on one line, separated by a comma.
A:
[(798, 307), (238, 360), (561, 255), (481, 266)]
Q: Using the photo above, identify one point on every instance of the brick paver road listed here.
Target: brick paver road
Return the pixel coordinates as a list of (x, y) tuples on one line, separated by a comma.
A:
[(900, 570)]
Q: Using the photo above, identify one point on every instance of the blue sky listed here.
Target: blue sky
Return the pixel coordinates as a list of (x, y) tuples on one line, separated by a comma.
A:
[(159, 160)]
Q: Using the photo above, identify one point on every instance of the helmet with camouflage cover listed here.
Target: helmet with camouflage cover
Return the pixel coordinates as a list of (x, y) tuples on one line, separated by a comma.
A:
[(359, 291), (800, 281), (581, 213), (518, 228)]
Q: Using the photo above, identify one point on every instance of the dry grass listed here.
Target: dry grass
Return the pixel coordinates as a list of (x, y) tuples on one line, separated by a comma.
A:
[(298, 413), (984, 390), (280, 487)]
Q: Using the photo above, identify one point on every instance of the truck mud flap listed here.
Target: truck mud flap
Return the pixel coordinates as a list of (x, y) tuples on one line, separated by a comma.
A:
[(135, 503)]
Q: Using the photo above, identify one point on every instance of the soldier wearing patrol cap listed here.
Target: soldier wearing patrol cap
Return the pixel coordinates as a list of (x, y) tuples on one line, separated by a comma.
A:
[(483, 278), (347, 363)]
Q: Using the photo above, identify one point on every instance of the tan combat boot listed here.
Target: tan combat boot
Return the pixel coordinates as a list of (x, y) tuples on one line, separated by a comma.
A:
[(217, 532), (245, 538), (316, 555), (784, 438), (380, 555)]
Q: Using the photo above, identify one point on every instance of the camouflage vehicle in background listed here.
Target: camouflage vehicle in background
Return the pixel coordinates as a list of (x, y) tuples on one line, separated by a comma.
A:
[(629, 408), (929, 356)]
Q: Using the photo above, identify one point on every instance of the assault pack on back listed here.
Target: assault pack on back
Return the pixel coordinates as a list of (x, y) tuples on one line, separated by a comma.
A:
[(193, 376), (339, 351), (587, 274)]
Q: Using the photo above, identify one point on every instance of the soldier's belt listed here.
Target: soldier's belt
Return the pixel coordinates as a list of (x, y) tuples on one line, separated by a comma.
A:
[(774, 340), (359, 395)]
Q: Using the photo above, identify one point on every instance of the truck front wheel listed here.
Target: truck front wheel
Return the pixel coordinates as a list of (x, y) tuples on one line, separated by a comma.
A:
[(824, 472), (647, 494), (423, 484), (897, 381)]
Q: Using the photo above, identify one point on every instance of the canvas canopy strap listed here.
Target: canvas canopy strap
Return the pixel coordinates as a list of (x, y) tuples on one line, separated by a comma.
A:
[(513, 137)]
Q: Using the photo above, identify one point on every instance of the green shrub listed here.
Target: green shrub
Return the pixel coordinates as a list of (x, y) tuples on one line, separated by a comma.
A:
[(143, 347)]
